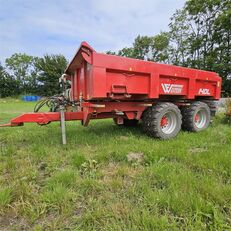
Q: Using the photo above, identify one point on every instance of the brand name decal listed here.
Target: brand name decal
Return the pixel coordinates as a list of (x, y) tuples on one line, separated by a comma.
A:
[(204, 91), (172, 88)]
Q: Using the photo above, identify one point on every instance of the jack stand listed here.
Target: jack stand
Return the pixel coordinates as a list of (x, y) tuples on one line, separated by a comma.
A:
[(63, 127)]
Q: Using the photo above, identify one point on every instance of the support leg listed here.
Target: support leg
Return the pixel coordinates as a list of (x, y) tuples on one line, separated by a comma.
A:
[(63, 127)]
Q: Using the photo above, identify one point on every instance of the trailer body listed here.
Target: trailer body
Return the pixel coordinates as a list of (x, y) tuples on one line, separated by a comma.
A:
[(129, 90), (97, 76)]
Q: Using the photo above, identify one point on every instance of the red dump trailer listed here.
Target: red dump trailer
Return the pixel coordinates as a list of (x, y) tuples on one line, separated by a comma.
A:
[(164, 98)]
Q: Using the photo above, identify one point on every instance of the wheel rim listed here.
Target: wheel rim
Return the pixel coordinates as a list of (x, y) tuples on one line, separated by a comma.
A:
[(200, 119), (168, 122)]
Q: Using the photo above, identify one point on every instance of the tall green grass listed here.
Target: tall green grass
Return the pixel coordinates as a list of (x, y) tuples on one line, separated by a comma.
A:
[(182, 184)]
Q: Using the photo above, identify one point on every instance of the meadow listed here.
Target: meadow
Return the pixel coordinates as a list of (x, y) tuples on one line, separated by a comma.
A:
[(89, 184)]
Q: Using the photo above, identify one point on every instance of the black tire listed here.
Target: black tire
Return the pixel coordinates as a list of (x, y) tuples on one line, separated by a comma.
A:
[(153, 117), (212, 106), (196, 117), (128, 123)]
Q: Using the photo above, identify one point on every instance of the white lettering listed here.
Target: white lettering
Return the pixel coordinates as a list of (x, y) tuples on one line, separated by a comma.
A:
[(204, 91)]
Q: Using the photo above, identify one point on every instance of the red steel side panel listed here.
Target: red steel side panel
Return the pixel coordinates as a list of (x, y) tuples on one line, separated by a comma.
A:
[(153, 79), (126, 82), (98, 82)]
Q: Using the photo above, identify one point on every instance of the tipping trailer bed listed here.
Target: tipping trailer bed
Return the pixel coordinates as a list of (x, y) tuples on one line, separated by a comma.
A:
[(130, 90), (97, 76)]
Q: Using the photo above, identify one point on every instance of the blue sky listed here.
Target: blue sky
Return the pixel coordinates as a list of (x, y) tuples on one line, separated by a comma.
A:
[(37, 27)]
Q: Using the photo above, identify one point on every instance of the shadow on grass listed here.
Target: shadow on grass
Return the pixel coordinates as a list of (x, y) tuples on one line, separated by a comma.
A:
[(223, 119), (102, 130), (97, 132), (226, 120)]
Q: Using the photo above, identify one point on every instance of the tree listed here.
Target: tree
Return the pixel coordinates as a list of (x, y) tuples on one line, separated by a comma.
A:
[(111, 52), (8, 85), (142, 47), (22, 67), (214, 40), (50, 68), (152, 48), (127, 52), (179, 34), (160, 48)]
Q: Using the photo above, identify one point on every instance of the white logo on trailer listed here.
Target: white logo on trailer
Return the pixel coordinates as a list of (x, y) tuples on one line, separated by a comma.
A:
[(204, 91), (172, 88)]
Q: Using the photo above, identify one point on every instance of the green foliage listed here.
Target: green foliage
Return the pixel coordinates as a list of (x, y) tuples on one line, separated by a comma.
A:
[(110, 52), (127, 52), (23, 71), (160, 48), (26, 74), (153, 48), (8, 85), (141, 47), (180, 38), (50, 68)]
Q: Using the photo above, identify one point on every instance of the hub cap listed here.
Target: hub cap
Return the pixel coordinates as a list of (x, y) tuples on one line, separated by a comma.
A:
[(200, 119), (168, 122)]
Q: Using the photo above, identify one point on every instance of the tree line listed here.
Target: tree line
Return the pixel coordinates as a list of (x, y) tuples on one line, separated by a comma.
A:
[(198, 37), (25, 74)]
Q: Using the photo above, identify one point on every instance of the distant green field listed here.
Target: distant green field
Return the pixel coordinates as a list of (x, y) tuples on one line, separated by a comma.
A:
[(181, 184)]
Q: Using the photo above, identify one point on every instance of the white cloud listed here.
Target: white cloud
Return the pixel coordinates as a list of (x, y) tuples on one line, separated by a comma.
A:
[(37, 27)]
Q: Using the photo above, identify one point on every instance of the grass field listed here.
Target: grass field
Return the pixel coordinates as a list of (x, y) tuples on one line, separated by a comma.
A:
[(180, 184)]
